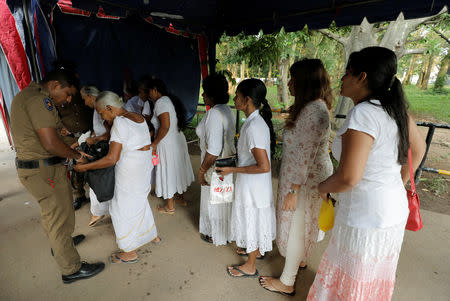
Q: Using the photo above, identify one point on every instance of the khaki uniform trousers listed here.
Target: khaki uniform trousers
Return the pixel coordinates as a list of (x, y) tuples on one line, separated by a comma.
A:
[(51, 188)]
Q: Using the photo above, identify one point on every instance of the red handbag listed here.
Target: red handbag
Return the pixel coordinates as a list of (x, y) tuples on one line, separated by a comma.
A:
[(414, 222)]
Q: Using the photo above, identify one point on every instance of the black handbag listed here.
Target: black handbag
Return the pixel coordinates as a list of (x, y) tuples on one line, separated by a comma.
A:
[(101, 180), (227, 162)]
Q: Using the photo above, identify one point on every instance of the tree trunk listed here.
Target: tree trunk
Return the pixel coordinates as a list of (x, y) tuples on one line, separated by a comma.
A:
[(269, 76), (364, 35), (442, 74), (284, 69), (242, 70), (426, 76), (410, 72), (422, 72)]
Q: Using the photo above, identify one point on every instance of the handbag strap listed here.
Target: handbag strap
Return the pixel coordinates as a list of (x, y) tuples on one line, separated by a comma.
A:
[(411, 172)]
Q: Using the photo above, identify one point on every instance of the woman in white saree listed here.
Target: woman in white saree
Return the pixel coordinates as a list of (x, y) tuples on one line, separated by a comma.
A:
[(131, 153)]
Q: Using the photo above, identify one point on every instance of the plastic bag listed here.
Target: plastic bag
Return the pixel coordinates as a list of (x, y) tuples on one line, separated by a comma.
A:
[(221, 189)]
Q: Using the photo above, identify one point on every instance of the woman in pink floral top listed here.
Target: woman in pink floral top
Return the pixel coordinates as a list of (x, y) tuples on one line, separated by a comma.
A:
[(304, 165)]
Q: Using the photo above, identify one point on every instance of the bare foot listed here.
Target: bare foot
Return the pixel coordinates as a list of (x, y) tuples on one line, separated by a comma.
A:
[(275, 285), (182, 202), (156, 240), (94, 220), (244, 268), (242, 252)]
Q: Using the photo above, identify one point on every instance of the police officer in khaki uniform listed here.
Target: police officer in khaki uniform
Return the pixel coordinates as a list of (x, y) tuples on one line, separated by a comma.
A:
[(77, 119), (39, 149)]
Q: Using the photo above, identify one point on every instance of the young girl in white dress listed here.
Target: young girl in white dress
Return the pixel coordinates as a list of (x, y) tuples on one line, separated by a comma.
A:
[(253, 224), (174, 172)]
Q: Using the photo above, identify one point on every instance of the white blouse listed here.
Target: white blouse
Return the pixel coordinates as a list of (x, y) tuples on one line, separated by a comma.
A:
[(379, 199), (97, 124), (215, 123), (253, 190), (134, 104), (130, 134), (164, 105)]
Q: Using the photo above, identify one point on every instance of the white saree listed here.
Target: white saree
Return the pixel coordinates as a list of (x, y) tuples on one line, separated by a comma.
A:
[(130, 212)]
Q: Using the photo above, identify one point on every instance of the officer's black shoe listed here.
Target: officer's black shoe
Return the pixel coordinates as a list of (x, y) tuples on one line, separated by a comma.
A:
[(76, 240), (78, 202), (86, 271)]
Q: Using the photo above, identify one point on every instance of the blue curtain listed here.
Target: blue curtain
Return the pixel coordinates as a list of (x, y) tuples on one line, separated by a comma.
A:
[(103, 49)]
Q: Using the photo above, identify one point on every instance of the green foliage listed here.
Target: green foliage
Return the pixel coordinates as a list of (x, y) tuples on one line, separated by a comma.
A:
[(436, 185), (427, 104), (439, 84), (260, 50)]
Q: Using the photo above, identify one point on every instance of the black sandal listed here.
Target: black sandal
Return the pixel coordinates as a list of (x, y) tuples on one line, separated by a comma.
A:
[(206, 238)]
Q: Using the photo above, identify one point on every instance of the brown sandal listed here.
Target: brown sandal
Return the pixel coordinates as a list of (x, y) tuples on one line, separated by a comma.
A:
[(92, 223), (164, 210)]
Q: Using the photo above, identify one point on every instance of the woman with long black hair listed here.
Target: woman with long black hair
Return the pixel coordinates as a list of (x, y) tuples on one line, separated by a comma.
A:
[(305, 163), (372, 149), (174, 172), (253, 225)]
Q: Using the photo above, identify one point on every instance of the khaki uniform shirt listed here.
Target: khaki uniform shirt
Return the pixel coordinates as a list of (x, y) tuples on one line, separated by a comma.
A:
[(32, 109), (76, 116)]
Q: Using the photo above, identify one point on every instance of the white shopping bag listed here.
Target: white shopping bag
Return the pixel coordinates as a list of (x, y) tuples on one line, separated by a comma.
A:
[(221, 189)]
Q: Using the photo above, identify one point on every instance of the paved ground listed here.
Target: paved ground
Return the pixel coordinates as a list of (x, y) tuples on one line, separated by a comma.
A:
[(183, 267)]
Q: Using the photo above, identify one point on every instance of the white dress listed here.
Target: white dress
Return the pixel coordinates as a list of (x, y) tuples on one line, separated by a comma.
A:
[(97, 208), (360, 261), (253, 223), (174, 172), (216, 132), (130, 212)]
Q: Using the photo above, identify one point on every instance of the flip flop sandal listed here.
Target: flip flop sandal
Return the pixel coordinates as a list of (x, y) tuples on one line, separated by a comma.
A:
[(164, 210), (93, 223), (244, 275), (206, 238), (292, 294), (121, 260), (245, 254)]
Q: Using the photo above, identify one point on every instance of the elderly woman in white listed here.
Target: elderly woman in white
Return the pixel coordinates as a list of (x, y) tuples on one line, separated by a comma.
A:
[(131, 153), (216, 132), (253, 224), (100, 131)]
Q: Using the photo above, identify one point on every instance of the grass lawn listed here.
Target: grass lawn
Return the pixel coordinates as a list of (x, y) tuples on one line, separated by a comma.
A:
[(429, 105), (425, 105)]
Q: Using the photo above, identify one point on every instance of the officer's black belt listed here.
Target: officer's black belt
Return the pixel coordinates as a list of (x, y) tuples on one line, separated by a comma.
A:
[(31, 164)]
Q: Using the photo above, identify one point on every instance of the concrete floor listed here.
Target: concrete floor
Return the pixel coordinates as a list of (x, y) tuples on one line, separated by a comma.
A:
[(183, 267)]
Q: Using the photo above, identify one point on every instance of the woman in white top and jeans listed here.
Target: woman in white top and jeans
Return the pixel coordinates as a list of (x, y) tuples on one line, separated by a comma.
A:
[(216, 132), (253, 224), (372, 146)]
